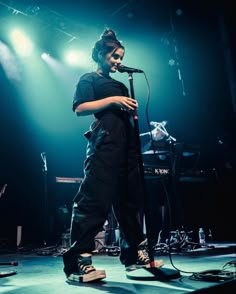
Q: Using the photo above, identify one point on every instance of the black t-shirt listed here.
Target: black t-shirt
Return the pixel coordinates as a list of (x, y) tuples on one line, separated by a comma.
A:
[(93, 86)]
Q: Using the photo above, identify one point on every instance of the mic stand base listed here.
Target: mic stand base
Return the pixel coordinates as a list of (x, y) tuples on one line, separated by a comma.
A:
[(153, 274)]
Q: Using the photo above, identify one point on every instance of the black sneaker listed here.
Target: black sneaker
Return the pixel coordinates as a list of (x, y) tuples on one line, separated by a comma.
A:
[(86, 271), (143, 259)]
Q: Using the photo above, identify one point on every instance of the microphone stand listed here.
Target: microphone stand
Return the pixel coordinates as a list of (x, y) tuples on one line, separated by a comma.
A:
[(156, 273), (45, 204)]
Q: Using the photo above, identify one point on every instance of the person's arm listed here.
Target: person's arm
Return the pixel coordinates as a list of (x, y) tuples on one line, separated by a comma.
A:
[(91, 107)]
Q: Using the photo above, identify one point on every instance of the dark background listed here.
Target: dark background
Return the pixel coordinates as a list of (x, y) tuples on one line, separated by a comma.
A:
[(200, 107)]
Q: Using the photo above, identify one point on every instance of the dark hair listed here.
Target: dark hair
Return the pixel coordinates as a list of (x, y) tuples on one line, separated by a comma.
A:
[(107, 43)]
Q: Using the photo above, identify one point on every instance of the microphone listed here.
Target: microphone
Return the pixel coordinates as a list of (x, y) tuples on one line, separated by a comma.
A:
[(123, 68)]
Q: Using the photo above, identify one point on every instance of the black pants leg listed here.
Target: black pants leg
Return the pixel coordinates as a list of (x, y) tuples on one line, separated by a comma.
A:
[(127, 206), (111, 177)]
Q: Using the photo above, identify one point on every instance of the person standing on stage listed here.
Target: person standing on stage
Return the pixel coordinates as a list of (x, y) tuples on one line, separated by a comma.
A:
[(111, 169)]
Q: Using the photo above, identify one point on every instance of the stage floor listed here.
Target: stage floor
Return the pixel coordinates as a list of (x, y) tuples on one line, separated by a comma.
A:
[(43, 273)]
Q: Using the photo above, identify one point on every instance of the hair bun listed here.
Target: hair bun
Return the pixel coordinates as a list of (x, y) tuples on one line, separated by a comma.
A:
[(109, 35)]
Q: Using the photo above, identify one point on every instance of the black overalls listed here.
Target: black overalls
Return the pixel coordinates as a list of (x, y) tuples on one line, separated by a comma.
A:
[(111, 176)]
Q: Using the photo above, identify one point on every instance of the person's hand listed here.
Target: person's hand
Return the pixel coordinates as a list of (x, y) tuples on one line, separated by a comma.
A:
[(125, 103)]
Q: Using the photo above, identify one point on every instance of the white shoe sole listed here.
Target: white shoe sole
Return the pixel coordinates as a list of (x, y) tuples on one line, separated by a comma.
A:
[(158, 263), (90, 277)]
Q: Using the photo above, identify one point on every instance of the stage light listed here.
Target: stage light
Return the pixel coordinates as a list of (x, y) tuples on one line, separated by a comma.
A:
[(76, 58), (72, 57), (179, 12), (45, 55), (171, 62), (21, 43)]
